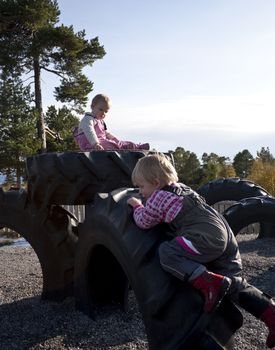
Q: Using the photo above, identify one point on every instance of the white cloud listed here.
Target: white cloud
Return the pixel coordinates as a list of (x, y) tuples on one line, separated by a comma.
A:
[(242, 114), (224, 125)]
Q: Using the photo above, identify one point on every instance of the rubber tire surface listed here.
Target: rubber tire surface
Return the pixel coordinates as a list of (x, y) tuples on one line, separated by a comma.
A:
[(250, 210), (112, 250), (50, 235), (230, 189), (75, 177), (236, 189)]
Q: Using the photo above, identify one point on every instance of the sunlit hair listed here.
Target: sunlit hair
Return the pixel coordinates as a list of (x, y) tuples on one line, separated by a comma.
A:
[(152, 167), (100, 98)]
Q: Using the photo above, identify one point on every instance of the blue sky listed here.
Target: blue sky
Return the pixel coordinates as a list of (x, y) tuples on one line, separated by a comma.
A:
[(197, 74)]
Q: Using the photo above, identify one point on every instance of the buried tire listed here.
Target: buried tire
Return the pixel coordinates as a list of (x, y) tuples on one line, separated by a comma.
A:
[(236, 189), (250, 210), (230, 189), (50, 234), (113, 252)]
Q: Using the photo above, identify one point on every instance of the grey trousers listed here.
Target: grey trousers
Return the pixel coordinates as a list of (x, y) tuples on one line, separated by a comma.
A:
[(185, 266)]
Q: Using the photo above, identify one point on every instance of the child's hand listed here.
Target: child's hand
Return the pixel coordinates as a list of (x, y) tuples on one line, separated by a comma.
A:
[(111, 137), (134, 201), (98, 147)]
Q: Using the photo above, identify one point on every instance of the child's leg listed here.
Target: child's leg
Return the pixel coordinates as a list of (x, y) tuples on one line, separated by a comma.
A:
[(116, 144), (81, 140), (257, 303), (109, 144), (132, 145), (183, 265)]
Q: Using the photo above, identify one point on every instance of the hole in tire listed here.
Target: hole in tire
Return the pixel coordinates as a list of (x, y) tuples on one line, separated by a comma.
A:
[(107, 282)]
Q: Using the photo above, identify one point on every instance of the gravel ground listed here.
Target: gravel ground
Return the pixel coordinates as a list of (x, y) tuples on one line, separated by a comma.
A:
[(28, 323)]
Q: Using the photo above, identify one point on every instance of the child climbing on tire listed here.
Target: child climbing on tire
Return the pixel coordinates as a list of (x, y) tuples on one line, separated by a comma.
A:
[(203, 249), (92, 132)]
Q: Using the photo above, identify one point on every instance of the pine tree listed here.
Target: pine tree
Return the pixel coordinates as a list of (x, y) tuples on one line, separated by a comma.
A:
[(60, 124), (17, 127), (213, 166), (243, 162), (32, 42), (187, 166), (265, 156)]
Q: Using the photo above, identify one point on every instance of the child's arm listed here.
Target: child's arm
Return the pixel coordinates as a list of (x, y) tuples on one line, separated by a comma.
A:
[(87, 126), (146, 216), (134, 202), (110, 136)]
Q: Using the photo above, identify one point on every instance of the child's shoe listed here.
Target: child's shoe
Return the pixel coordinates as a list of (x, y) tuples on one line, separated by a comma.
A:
[(214, 287), (268, 317)]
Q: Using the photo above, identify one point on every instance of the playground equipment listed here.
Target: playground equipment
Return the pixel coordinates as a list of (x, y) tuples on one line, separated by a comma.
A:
[(99, 260), (248, 212)]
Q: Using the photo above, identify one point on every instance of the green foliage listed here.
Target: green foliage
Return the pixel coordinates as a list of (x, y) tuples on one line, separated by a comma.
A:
[(17, 127), (265, 156), (243, 162), (61, 122), (194, 174), (21, 21), (31, 42), (187, 166), (214, 166), (74, 89)]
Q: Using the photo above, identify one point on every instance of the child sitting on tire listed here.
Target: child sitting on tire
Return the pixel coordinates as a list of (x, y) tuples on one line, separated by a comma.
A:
[(92, 132), (203, 249)]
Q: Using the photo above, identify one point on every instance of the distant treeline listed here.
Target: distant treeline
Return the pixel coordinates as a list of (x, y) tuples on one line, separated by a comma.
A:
[(195, 172)]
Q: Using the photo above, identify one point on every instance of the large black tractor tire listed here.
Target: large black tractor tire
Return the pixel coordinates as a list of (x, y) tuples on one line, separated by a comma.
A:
[(112, 253), (230, 189), (236, 189), (75, 177), (50, 233), (250, 210)]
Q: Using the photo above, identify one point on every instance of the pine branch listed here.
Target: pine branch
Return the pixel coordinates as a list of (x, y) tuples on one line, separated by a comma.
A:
[(53, 71)]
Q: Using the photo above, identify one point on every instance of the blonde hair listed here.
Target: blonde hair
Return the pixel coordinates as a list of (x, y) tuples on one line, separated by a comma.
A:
[(152, 167), (101, 98)]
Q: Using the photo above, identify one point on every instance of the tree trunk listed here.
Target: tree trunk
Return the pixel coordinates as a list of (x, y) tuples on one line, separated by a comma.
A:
[(18, 178), (38, 105)]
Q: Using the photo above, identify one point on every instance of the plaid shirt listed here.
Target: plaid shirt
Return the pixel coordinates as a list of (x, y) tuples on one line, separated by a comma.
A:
[(161, 206)]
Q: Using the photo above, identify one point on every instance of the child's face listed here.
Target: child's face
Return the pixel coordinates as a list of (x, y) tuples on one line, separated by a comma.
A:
[(147, 188), (100, 109)]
